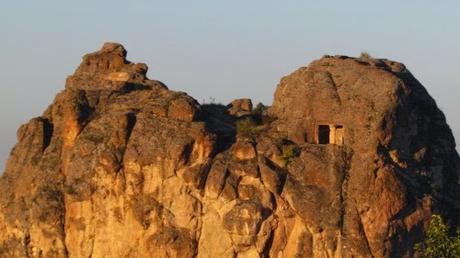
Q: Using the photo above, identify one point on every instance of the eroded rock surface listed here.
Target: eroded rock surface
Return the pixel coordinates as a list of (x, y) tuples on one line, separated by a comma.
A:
[(240, 107), (351, 161)]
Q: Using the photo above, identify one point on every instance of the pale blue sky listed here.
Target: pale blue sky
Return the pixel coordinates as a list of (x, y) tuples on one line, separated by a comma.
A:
[(219, 49)]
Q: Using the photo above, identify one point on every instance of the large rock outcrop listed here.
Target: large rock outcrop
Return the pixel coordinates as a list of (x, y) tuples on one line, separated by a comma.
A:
[(351, 160)]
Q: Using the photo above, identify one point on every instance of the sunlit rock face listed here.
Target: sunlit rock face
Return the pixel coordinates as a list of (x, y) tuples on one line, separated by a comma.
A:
[(351, 160)]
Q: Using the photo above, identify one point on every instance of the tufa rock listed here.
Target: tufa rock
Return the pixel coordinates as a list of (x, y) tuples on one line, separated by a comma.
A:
[(352, 162)]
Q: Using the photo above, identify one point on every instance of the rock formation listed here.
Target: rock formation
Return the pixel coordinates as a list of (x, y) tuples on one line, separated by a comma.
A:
[(351, 160), (240, 107)]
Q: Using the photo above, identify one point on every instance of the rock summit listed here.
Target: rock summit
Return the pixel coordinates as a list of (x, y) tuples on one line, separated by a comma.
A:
[(351, 160)]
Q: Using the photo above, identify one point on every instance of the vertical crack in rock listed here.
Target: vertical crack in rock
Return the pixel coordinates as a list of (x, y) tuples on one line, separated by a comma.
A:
[(343, 191), (131, 122), (336, 89), (26, 243), (62, 219), (268, 244), (47, 133), (365, 237)]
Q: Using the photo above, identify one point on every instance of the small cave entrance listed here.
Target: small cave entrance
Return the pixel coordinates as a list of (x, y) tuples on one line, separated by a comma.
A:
[(330, 134), (323, 134)]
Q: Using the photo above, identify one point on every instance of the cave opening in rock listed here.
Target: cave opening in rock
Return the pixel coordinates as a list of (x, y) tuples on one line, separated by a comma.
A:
[(323, 134), (330, 134)]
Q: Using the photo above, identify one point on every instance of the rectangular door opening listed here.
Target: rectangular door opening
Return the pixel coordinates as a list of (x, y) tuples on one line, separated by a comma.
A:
[(323, 134), (330, 134)]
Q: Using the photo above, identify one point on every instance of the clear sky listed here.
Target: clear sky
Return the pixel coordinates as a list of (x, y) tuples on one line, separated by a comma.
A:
[(219, 49)]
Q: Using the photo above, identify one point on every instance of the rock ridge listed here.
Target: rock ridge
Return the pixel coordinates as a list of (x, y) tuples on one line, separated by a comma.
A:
[(350, 160)]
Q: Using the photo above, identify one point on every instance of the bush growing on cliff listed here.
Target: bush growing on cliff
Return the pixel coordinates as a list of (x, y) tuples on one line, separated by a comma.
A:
[(259, 110), (252, 125), (437, 242), (247, 127), (365, 56), (288, 153), (260, 115)]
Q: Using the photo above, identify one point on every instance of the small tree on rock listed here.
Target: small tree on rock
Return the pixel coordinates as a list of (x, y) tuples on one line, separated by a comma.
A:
[(437, 242)]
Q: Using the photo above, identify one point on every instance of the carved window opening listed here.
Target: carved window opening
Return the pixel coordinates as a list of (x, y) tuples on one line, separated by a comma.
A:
[(330, 134)]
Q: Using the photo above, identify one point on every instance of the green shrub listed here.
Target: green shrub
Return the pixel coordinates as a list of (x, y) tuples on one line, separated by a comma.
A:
[(288, 153), (260, 115), (365, 55), (253, 124), (247, 127), (259, 109), (437, 242)]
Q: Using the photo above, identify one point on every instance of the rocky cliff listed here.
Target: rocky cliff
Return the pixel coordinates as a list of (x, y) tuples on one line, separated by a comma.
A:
[(351, 160)]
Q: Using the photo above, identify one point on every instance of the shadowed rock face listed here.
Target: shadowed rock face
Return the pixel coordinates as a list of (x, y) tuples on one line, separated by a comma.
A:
[(120, 166)]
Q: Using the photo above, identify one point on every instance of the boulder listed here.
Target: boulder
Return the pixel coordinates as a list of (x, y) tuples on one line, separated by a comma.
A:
[(240, 107)]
